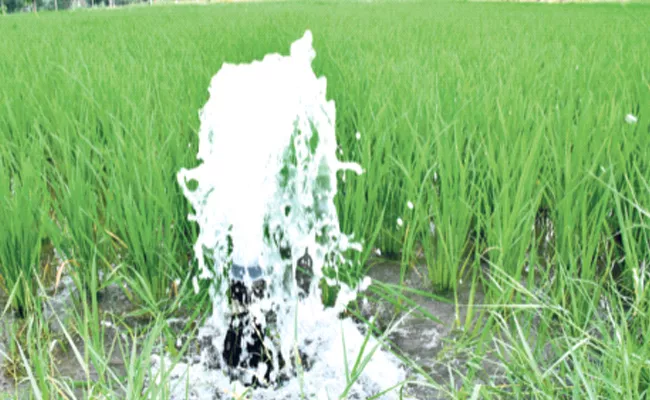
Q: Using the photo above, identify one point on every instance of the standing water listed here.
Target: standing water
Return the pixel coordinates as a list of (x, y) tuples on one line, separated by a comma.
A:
[(263, 198)]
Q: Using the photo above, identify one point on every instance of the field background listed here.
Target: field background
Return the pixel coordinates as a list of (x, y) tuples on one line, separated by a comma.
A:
[(504, 124)]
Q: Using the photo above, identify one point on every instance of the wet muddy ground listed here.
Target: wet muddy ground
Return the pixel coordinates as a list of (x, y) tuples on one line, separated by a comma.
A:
[(417, 336), (420, 338)]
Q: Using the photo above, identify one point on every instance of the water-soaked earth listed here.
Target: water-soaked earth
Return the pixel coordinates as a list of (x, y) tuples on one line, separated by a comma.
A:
[(417, 336), (420, 337)]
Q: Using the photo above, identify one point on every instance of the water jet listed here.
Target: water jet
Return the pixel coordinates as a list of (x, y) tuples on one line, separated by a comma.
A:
[(269, 230)]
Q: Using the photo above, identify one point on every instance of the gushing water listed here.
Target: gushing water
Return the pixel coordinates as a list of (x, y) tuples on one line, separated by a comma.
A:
[(263, 198)]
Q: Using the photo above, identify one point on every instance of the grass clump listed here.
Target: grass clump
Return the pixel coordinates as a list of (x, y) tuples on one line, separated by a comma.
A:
[(23, 211)]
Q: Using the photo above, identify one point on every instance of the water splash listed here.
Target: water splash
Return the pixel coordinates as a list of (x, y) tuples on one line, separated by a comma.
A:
[(263, 198)]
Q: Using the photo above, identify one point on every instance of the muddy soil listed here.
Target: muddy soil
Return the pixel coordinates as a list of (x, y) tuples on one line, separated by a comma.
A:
[(417, 336)]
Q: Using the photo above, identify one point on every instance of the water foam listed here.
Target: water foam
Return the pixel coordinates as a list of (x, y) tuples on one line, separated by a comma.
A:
[(263, 198)]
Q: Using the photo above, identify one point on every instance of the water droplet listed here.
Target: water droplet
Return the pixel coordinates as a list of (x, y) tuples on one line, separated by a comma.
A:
[(195, 284)]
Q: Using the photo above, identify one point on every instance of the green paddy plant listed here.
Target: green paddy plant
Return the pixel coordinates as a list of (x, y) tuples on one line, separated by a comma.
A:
[(29, 358), (451, 198), (497, 101), (582, 208), (80, 234), (568, 356), (143, 211), (509, 188), (23, 212), (632, 215), (30, 351)]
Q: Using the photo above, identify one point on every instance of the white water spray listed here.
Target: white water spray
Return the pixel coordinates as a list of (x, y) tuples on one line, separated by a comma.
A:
[(264, 201)]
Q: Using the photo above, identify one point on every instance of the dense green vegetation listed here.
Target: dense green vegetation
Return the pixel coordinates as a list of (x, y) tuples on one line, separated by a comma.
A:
[(503, 124)]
